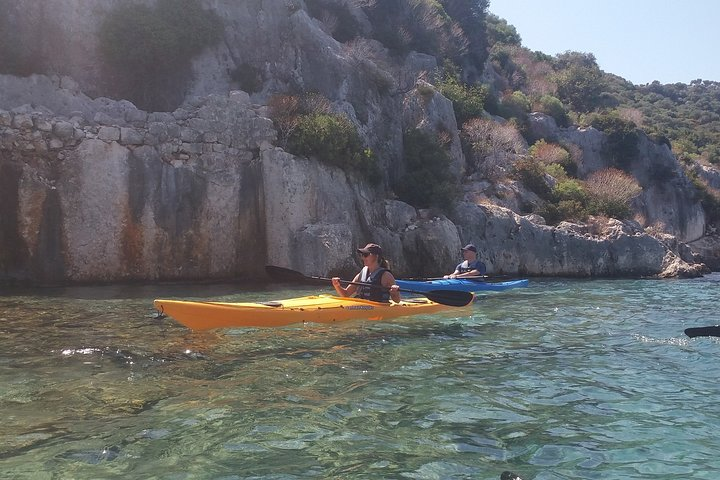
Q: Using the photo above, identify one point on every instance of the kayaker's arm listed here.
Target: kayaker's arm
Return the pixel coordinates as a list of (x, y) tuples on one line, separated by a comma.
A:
[(388, 280), (472, 273), (345, 291), (452, 275)]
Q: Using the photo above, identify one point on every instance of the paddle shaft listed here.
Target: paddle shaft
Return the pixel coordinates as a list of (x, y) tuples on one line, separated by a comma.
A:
[(360, 284), (471, 277), (445, 297)]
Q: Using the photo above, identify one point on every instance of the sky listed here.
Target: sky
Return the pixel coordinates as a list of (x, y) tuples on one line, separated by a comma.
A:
[(640, 40)]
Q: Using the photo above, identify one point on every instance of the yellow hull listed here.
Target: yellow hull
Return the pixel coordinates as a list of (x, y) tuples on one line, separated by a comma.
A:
[(315, 308)]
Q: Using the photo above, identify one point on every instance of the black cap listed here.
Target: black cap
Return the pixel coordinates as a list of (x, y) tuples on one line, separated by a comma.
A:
[(373, 248), (470, 247)]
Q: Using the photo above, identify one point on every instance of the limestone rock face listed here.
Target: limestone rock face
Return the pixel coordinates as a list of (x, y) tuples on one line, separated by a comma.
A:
[(95, 189), (711, 174), (667, 201), (668, 198), (510, 243), (425, 108), (707, 249), (167, 198)]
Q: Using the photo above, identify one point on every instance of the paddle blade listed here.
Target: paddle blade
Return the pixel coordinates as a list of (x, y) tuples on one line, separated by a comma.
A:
[(713, 331), (280, 274), (450, 297), (507, 475)]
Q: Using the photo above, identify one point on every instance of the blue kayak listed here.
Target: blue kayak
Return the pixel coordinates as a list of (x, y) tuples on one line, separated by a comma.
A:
[(460, 285)]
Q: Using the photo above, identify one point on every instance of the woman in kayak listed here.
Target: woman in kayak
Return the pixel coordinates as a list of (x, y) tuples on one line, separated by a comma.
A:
[(375, 272), (470, 266)]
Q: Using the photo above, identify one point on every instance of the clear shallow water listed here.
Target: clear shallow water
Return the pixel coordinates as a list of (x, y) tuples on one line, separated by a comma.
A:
[(566, 379)]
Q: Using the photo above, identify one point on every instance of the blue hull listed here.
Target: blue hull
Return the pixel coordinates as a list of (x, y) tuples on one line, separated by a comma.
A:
[(460, 285)]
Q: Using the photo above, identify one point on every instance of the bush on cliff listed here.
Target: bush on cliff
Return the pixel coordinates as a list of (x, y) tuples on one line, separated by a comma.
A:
[(428, 181), (550, 105), (532, 175), (334, 140), (580, 82), (515, 105), (468, 100), (149, 49), (553, 154), (611, 191), (607, 192), (622, 138), (708, 196), (487, 138)]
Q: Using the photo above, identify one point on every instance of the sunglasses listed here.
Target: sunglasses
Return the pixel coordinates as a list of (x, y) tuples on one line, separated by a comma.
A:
[(363, 254)]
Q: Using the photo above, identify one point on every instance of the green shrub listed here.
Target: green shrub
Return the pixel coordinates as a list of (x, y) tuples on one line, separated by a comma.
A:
[(553, 154), (607, 192), (580, 86), (532, 175), (149, 49), (571, 190), (516, 105), (568, 201), (572, 210), (468, 100), (622, 138), (406, 26), (499, 31), (557, 171), (428, 182), (550, 212), (333, 139), (711, 153), (709, 198), (552, 106)]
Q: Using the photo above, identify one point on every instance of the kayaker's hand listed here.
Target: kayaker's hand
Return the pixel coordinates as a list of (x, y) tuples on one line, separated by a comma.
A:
[(394, 288), (335, 281), (446, 276)]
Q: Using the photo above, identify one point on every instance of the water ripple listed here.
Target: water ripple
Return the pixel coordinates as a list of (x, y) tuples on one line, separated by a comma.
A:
[(564, 379)]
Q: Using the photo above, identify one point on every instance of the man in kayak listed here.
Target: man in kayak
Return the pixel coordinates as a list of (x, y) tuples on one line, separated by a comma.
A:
[(376, 273), (470, 266)]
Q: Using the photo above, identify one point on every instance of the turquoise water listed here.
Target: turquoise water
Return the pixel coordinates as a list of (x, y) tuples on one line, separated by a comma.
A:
[(566, 379)]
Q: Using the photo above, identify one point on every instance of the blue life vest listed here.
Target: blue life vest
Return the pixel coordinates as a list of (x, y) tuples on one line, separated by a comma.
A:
[(374, 294), (466, 266)]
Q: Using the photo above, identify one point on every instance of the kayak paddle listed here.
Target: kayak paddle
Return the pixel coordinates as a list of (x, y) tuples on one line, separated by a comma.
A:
[(423, 279), (446, 297), (713, 331), (479, 278), (508, 475)]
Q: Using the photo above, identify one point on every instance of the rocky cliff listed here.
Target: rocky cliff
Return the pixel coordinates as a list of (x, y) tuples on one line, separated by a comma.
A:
[(95, 189), (202, 192)]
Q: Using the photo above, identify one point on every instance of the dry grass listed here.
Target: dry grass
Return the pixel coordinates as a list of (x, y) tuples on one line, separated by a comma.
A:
[(613, 185), (488, 137), (284, 110), (632, 115), (549, 153)]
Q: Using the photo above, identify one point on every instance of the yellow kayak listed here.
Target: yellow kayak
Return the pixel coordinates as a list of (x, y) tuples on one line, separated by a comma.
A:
[(314, 308)]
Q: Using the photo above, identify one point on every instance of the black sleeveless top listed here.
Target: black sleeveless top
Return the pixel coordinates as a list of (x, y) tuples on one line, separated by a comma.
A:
[(375, 294)]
